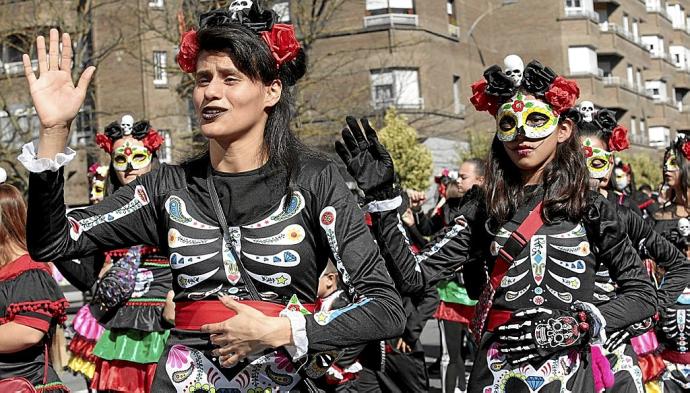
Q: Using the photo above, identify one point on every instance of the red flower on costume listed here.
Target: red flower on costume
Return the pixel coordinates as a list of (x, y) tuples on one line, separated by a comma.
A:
[(189, 51), (686, 150), (282, 42), (619, 139), (588, 152), (481, 100), (104, 143), (562, 94), (518, 106), (153, 140)]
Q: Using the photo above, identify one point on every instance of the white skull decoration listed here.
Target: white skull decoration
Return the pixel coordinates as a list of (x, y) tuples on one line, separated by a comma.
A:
[(587, 110), (126, 123), (143, 282), (3, 176), (240, 5), (513, 67), (684, 227), (556, 332)]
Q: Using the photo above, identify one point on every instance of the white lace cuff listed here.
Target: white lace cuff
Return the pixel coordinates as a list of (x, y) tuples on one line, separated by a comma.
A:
[(384, 206), (29, 158), (299, 334)]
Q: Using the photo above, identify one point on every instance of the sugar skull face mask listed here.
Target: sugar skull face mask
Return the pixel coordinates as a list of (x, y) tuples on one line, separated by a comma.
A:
[(598, 160), (531, 117), (132, 155), (671, 162), (621, 179), (97, 190)]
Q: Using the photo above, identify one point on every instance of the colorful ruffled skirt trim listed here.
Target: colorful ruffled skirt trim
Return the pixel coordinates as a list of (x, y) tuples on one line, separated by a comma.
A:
[(123, 376), (82, 361), (131, 345), (86, 325)]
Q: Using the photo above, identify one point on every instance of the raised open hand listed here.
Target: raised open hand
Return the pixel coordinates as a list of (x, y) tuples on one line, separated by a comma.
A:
[(366, 159), (56, 99)]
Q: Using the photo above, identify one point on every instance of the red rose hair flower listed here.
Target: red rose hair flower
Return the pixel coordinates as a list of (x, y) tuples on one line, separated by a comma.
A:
[(282, 42), (189, 51), (104, 143), (562, 94), (619, 139), (153, 140), (686, 150), (481, 100)]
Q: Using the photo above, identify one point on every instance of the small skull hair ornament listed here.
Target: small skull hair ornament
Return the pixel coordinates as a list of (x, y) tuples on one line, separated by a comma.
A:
[(587, 110), (3, 175), (684, 227), (513, 67)]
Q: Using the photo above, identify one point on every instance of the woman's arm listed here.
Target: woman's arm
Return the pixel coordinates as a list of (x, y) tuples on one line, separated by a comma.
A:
[(664, 254), (84, 273), (15, 337)]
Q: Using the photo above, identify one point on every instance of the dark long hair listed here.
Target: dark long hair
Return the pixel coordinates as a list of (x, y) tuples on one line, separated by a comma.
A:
[(684, 175), (12, 222), (251, 55), (565, 183)]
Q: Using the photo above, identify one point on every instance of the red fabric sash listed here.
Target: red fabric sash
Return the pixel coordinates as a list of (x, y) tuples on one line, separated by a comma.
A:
[(676, 357), (652, 366), (497, 318), (193, 315)]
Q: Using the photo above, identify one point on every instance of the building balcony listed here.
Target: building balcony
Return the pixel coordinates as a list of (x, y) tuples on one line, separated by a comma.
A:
[(417, 104), (658, 9), (639, 139), (579, 13), (16, 68), (390, 20), (607, 27)]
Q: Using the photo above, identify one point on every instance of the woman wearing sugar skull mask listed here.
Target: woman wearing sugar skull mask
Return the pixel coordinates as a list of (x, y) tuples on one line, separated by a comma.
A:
[(672, 222), (600, 137), (544, 237), (256, 218)]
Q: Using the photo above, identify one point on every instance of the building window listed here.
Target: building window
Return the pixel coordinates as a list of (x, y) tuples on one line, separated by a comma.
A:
[(165, 153), (396, 87), (457, 106), (626, 23), (156, 3), (379, 7), (630, 75), (282, 9), (633, 126), (160, 75), (582, 60), (573, 3)]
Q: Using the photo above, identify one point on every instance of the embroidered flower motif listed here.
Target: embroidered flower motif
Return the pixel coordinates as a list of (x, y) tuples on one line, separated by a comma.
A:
[(189, 50), (562, 94), (518, 106), (177, 357), (284, 363), (128, 151), (481, 100), (619, 139), (282, 42)]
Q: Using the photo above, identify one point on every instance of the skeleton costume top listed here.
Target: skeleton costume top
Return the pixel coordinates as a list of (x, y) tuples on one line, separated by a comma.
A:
[(552, 275)]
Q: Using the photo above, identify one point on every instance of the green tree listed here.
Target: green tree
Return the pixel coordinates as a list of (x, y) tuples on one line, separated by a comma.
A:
[(412, 159), (646, 167), (479, 146)]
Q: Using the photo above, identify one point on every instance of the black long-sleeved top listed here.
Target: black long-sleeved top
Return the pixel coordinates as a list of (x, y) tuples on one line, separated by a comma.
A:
[(283, 248), (554, 270)]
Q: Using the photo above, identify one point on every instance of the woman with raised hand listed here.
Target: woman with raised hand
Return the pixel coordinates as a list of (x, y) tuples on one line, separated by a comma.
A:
[(539, 229), (248, 226)]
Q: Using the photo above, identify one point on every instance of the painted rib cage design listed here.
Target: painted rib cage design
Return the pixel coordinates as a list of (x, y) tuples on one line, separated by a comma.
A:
[(552, 270), (198, 252)]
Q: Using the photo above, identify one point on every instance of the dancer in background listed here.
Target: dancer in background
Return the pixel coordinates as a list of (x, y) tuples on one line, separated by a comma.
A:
[(543, 234), (253, 221), (31, 305)]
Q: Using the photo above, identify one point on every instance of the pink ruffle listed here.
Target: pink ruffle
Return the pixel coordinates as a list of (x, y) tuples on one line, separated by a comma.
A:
[(86, 325)]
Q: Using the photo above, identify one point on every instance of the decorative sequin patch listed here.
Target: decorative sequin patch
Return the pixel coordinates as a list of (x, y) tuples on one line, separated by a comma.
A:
[(295, 206), (187, 281), (514, 295), (179, 261), (290, 235), (278, 280), (574, 266), (139, 200), (510, 280), (581, 250), (177, 211), (538, 257), (177, 240), (324, 317), (578, 231), (327, 220), (570, 282), (286, 258), (565, 297)]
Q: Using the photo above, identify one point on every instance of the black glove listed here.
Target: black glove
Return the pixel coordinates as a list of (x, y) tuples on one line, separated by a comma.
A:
[(367, 160), (619, 337), (540, 332), (677, 239)]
